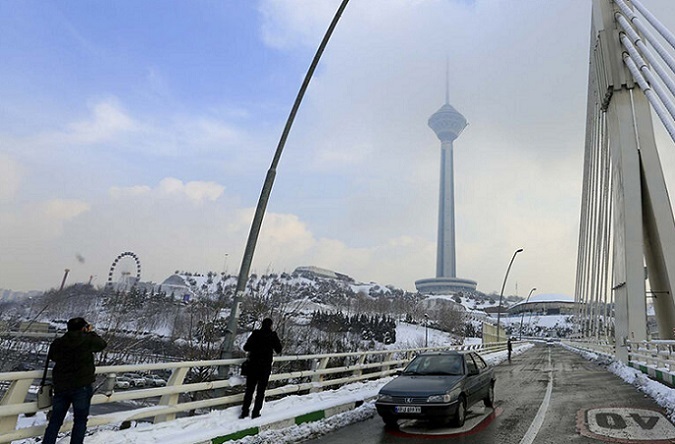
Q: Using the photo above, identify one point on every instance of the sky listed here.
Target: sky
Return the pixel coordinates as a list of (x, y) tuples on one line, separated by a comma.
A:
[(149, 127)]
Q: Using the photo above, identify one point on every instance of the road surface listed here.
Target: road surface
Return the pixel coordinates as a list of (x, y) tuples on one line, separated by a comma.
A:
[(548, 395)]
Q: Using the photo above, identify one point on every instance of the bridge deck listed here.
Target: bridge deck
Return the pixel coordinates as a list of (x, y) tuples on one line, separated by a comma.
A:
[(587, 404)]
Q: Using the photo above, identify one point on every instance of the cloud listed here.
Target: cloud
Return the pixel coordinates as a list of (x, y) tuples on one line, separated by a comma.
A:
[(10, 177), (108, 120), (195, 191), (286, 25), (26, 227)]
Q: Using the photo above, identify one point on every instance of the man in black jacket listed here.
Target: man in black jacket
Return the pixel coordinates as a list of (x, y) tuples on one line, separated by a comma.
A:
[(261, 346), (72, 376)]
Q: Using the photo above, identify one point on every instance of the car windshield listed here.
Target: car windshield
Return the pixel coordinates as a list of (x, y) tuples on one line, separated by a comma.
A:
[(435, 365)]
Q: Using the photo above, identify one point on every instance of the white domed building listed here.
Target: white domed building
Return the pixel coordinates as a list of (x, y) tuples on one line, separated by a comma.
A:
[(545, 304)]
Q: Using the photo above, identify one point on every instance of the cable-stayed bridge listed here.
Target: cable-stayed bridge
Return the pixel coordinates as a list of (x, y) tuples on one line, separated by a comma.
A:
[(624, 292)]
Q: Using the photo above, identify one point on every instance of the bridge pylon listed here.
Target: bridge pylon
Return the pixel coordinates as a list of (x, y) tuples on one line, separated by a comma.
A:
[(626, 217)]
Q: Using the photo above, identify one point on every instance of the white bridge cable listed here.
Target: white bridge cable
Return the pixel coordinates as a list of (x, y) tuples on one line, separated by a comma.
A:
[(636, 40), (665, 98), (665, 32), (648, 36), (651, 96)]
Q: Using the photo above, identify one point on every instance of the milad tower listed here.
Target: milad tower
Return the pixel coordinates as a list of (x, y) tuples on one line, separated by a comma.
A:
[(448, 124)]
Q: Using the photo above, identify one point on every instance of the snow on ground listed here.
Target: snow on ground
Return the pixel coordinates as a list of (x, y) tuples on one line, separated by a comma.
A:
[(413, 335)]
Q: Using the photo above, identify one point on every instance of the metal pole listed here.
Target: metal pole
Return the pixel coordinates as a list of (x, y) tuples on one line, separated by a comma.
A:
[(523, 315), (426, 330), (65, 275), (501, 293), (231, 332)]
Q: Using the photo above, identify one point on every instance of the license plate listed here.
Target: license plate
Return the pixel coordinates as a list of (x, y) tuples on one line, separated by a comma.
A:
[(408, 409)]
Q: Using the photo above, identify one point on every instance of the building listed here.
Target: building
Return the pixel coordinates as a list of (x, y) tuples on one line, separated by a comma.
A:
[(545, 304), (448, 124), (311, 272)]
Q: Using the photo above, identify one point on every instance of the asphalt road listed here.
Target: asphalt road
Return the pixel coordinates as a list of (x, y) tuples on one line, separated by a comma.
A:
[(547, 395)]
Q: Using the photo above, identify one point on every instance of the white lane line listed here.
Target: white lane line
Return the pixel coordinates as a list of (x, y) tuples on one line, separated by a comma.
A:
[(539, 419)]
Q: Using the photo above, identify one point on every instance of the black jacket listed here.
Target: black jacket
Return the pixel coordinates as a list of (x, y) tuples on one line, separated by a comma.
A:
[(261, 346), (73, 354)]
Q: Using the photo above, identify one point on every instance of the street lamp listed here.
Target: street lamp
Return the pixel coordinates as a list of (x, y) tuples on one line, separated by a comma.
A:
[(231, 331), (523, 314), (501, 293), (426, 330)]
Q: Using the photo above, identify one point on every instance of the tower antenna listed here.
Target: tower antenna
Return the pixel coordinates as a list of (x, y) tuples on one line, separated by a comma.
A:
[(447, 80)]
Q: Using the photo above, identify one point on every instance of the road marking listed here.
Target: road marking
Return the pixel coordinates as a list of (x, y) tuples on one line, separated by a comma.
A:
[(626, 425), (541, 413)]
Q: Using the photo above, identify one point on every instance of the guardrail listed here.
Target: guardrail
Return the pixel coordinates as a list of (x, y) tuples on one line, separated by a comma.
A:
[(314, 373), (655, 358), (603, 348)]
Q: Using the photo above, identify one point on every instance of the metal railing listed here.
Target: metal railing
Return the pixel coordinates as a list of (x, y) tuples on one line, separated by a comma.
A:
[(314, 372), (603, 348), (657, 354), (654, 358)]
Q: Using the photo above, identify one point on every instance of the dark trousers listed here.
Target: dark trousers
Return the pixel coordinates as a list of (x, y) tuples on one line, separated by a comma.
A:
[(80, 399), (255, 381)]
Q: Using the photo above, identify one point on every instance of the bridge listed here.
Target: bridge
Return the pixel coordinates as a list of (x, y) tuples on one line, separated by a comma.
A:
[(624, 294)]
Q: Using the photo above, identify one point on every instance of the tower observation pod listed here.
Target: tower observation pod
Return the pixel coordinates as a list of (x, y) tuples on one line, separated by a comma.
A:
[(448, 124)]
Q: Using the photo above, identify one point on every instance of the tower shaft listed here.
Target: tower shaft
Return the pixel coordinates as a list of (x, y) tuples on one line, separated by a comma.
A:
[(445, 252)]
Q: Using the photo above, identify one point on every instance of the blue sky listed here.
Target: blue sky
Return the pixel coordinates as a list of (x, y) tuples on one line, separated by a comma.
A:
[(149, 126)]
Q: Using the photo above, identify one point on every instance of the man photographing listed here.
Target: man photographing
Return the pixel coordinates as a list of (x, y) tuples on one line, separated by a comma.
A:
[(260, 346), (72, 377)]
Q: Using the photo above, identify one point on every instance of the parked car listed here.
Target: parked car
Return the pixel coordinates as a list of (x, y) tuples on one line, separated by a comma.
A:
[(136, 379), (122, 382), (154, 381), (439, 387)]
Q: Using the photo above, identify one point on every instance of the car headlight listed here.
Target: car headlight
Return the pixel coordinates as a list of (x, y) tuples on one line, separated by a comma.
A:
[(446, 397), (439, 398), (385, 398)]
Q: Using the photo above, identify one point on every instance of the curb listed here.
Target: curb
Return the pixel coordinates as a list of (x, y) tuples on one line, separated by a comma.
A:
[(313, 416), (659, 375)]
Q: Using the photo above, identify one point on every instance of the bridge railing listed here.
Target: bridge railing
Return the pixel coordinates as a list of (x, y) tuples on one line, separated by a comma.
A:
[(655, 358), (306, 373), (659, 354), (603, 348)]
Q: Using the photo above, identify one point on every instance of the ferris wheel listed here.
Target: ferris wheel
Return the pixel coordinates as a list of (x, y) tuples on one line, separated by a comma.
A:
[(125, 274)]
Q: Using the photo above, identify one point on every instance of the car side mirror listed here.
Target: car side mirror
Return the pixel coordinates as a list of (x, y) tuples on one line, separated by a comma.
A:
[(473, 372), (398, 372)]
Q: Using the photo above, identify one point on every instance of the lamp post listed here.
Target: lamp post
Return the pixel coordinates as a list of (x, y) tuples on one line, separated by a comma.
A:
[(523, 314), (501, 293), (247, 259), (426, 330)]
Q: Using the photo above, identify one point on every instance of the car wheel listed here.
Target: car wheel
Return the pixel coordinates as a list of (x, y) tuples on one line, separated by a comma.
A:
[(489, 400), (390, 422), (460, 415)]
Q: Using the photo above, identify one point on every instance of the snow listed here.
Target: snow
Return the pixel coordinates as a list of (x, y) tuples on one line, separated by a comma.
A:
[(413, 335)]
